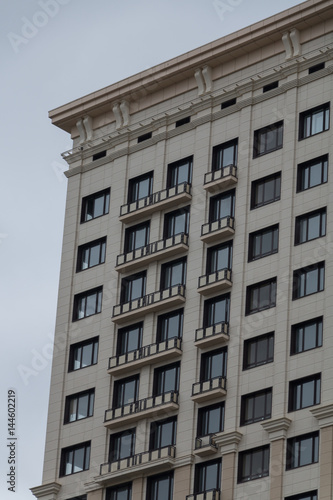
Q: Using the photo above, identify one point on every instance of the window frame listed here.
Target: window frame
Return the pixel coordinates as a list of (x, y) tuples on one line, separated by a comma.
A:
[(206, 364), (126, 288), (308, 495), (169, 220), (218, 159), (77, 396), (203, 422), (198, 472), (77, 304), (125, 332), (215, 205), (118, 396), (210, 304), (161, 371), (174, 166), (263, 133), (253, 396), (87, 247), (296, 330), (295, 400), (277, 177), (170, 265), (304, 179), (249, 309), (255, 340), (301, 277), (115, 444), (132, 230), (241, 478), (299, 441), (166, 317), (309, 113), (213, 257), (155, 436), (80, 346), (111, 493), (153, 487), (65, 459), (322, 213), (133, 194), (86, 200), (274, 230)]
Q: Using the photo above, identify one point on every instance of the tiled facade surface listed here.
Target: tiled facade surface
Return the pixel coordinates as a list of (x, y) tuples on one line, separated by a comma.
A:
[(281, 48)]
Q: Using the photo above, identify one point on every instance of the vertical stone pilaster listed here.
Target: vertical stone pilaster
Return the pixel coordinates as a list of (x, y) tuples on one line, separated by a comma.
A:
[(95, 495), (137, 487), (181, 482), (228, 444), (324, 415)]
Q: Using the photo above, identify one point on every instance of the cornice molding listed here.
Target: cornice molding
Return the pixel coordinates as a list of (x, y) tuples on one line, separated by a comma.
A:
[(46, 491), (277, 428), (228, 443), (324, 415)]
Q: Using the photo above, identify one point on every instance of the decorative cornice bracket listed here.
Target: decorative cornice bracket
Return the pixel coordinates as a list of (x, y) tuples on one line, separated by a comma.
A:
[(203, 77), (277, 429)]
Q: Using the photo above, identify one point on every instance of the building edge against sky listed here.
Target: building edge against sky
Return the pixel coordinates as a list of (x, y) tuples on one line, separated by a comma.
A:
[(192, 349)]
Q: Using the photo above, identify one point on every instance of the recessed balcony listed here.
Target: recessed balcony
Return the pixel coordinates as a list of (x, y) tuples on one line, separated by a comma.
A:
[(154, 251), (209, 389), (159, 300), (129, 468), (218, 229), (153, 353), (215, 282), (205, 446), (211, 336), (154, 406), (205, 495), (157, 201), (221, 179)]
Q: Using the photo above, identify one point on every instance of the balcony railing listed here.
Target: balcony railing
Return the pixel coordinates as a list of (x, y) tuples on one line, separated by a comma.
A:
[(154, 405), (154, 251), (145, 355), (222, 178), (218, 229), (212, 335), (205, 446), (148, 303), (209, 389), (213, 282), (156, 201), (205, 495)]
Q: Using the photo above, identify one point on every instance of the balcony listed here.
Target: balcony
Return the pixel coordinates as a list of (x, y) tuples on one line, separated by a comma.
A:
[(154, 406), (129, 468), (157, 201), (154, 251), (220, 179), (215, 282), (159, 300), (209, 389), (147, 355), (205, 495), (211, 336), (217, 230), (205, 446)]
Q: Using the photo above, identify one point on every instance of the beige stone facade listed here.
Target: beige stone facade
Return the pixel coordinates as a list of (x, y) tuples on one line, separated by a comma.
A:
[(193, 346)]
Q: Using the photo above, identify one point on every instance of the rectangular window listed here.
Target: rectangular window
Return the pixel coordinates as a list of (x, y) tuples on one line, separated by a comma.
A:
[(129, 339), (83, 354), (213, 364), (304, 392), (125, 391), (263, 242), (270, 86), (312, 173), (91, 254), (75, 459), (265, 190), (179, 172), (258, 351), (316, 67), (219, 257), (260, 296), (160, 487), (122, 445), (314, 121), (145, 137), (210, 419), (183, 121), (253, 464), (306, 335), (80, 405), (95, 205), (140, 187), (98, 156), (207, 476), (222, 205), (136, 237), (302, 450), (120, 492), (166, 379), (224, 155), (308, 280), (173, 273), (163, 433), (310, 495), (310, 226), (268, 139), (228, 103), (87, 303), (256, 407), (176, 222), (170, 326), (133, 287), (216, 310)]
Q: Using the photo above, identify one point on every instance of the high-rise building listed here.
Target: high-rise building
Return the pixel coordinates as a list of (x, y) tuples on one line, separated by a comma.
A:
[(193, 345)]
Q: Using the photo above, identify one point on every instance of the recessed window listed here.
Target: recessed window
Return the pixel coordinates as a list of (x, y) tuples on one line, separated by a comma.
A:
[(227, 104), (80, 405), (95, 205), (210, 420), (120, 492), (265, 190), (268, 139), (170, 326), (207, 476), (316, 67), (304, 392), (312, 173), (176, 222), (308, 280), (314, 121), (260, 296), (256, 407), (137, 237), (145, 137), (179, 172), (270, 86), (91, 254), (83, 354), (125, 391), (79, 497), (310, 226), (163, 433), (166, 379), (183, 121), (258, 351), (213, 364), (160, 487), (140, 187), (216, 310), (129, 339), (122, 445), (75, 459), (310, 495), (133, 287), (99, 155), (173, 273), (219, 257), (87, 303), (253, 464), (302, 450), (224, 155), (263, 242), (306, 335), (222, 205)]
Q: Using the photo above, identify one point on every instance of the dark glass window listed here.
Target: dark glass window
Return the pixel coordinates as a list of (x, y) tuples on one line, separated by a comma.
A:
[(256, 406), (163, 433), (253, 464), (228, 103), (225, 154), (160, 487), (210, 419), (263, 242), (129, 338), (213, 364), (222, 205), (183, 121), (258, 351), (270, 86), (316, 67), (306, 335), (265, 190), (133, 287), (207, 476), (173, 273), (260, 296), (302, 450), (180, 171), (310, 226), (314, 121), (95, 205), (140, 187), (176, 222), (145, 137), (78, 497), (268, 139), (304, 392), (219, 257), (310, 495), (166, 379), (83, 354), (136, 237), (122, 445), (75, 459), (312, 173), (120, 492), (87, 303), (99, 155), (170, 325), (125, 391), (80, 405), (308, 280), (216, 310), (91, 254)]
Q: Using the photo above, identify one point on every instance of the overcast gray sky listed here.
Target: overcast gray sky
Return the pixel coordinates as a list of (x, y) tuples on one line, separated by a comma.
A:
[(54, 51)]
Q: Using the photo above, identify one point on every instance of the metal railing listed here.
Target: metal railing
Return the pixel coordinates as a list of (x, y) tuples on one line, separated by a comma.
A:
[(221, 173), (209, 279), (205, 495), (211, 331), (224, 223), (204, 442), (209, 385), (146, 457)]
